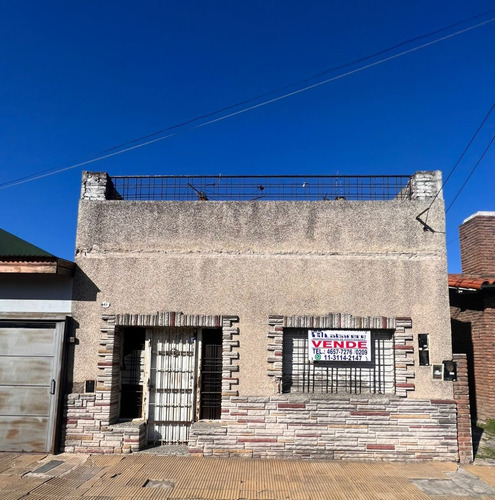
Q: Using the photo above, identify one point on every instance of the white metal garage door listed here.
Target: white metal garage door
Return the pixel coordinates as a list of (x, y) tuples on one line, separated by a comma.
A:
[(172, 376), (30, 361)]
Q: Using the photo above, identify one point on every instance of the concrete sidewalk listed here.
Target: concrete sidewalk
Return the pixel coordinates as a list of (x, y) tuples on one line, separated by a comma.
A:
[(109, 477)]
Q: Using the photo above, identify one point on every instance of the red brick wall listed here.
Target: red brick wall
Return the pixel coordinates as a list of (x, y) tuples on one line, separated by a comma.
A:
[(461, 396), (477, 311), (477, 237), (484, 359)]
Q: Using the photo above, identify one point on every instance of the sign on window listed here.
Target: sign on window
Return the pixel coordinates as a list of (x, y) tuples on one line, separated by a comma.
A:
[(339, 345)]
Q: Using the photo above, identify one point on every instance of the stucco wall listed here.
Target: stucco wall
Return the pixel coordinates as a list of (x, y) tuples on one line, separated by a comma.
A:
[(253, 259)]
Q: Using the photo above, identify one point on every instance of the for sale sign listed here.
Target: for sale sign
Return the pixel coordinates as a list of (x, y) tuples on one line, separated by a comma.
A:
[(339, 345)]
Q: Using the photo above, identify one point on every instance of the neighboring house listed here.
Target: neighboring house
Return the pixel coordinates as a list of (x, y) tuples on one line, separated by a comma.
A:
[(263, 317), (35, 302), (472, 306)]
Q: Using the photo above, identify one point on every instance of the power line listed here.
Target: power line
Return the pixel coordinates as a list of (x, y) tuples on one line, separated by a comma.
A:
[(471, 173), (458, 161), (299, 82), (452, 240), (115, 150)]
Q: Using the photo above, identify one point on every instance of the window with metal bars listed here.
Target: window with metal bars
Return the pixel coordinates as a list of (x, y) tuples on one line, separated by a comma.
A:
[(299, 374), (211, 375)]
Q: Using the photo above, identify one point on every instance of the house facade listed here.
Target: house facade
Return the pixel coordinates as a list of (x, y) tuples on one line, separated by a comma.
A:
[(472, 304), (35, 306), (263, 317)]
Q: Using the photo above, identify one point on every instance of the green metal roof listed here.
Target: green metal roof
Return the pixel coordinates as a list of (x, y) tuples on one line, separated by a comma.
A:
[(13, 246)]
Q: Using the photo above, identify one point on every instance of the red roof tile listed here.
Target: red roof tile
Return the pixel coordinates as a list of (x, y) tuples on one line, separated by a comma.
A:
[(474, 282)]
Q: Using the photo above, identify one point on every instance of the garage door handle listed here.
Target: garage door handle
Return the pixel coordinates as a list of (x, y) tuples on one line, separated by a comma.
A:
[(52, 386)]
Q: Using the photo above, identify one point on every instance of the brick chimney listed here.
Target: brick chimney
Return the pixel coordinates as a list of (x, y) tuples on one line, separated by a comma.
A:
[(477, 235)]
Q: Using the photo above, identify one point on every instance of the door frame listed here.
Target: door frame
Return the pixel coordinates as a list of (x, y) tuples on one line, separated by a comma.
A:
[(197, 334)]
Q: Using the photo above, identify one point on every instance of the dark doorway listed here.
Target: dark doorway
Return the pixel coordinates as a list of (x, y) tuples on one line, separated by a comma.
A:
[(211, 375), (131, 373), (462, 342)]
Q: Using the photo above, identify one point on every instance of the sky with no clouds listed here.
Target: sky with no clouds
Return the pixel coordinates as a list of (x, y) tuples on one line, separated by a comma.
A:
[(80, 77)]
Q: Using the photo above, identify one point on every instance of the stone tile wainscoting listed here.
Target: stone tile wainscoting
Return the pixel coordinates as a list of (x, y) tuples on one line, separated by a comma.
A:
[(85, 431), (354, 427)]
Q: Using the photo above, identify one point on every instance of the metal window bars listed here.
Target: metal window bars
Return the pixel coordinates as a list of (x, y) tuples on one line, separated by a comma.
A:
[(259, 187), (325, 377)]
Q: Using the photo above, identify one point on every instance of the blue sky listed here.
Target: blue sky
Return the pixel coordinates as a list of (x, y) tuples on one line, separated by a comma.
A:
[(82, 76)]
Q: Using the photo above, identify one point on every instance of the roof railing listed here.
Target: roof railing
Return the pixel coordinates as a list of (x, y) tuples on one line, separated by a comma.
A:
[(261, 187)]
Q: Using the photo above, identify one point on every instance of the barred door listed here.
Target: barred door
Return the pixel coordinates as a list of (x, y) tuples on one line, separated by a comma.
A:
[(172, 376)]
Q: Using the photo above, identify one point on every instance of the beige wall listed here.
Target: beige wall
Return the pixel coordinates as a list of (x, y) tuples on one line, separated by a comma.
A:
[(258, 258)]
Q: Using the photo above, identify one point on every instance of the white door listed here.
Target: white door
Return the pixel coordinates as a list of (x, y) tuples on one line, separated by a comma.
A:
[(171, 383), (30, 362)]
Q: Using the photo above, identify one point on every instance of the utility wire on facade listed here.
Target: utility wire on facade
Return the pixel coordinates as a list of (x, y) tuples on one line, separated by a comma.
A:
[(130, 145)]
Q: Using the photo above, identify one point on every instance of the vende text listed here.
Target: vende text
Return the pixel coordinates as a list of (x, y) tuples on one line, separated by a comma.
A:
[(342, 344)]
